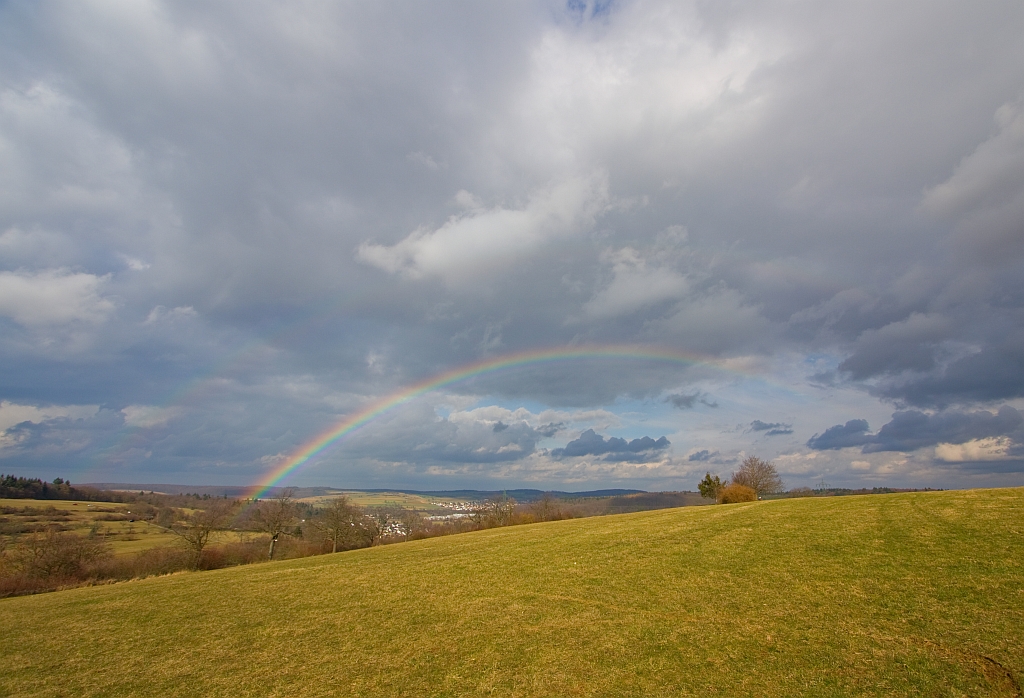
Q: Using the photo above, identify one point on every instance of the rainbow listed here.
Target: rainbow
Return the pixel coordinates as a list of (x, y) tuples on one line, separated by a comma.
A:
[(346, 426)]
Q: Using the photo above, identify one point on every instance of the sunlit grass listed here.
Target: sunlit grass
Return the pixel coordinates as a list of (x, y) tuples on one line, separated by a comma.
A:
[(907, 594)]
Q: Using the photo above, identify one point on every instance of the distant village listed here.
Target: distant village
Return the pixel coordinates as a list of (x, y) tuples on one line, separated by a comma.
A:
[(461, 510)]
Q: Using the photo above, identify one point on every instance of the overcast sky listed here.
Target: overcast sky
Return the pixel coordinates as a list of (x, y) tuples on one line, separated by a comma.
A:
[(225, 227)]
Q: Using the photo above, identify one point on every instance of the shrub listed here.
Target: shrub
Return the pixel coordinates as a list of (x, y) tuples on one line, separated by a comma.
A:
[(243, 552), (737, 493)]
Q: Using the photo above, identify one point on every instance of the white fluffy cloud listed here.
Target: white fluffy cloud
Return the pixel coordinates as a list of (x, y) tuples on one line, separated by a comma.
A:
[(12, 413), (990, 449), (484, 241)]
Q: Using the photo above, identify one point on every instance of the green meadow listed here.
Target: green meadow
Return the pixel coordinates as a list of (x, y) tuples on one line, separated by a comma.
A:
[(902, 594)]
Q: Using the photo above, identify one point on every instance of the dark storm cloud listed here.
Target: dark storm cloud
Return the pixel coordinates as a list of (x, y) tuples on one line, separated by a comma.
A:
[(995, 372), (897, 347), (853, 433), (701, 456), (613, 448), (771, 428), (910, 430)]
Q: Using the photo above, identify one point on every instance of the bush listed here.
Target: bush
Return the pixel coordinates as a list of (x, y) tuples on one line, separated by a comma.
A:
[(737, 493)]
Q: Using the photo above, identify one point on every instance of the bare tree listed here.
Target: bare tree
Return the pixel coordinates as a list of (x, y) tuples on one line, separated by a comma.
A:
[(759, 475), (195, 530), (340, 522), (276, 517)]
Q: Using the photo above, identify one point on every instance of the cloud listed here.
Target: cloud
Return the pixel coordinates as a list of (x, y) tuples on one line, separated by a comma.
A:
[(282, 213), (478, 435), (853, 433), (710, 320), (614, 448), (701, 456), (12, 413), (50, 433), (634, 285), (985, 193), (909, 344), (162, 314), (133, 263), (685, 401), (911, 430), (147, 416), (473, 243), (771, 428), (53, 297), (993, 372), (988, 449)]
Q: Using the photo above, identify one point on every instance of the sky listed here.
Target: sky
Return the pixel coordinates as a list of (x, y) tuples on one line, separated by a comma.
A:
[(785, 229)]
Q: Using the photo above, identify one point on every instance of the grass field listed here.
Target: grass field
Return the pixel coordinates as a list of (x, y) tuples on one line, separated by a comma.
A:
[(904, 594), (125, 537)]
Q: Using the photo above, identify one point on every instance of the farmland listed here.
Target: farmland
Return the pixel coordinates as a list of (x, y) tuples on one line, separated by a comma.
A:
[(871, 595), (398, 500), (112, 522)]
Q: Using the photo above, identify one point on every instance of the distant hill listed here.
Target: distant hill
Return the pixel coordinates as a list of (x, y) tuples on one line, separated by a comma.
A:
[(520, 495), (212, 490)]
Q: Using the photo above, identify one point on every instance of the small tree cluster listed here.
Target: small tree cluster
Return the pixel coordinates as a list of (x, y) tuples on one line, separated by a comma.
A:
[(755, 478)]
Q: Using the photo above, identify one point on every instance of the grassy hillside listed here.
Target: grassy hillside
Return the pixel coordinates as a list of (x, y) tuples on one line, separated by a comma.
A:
[(908, 594)]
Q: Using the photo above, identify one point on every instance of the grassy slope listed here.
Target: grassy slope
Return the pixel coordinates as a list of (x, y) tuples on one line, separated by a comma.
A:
[(875, 595)]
